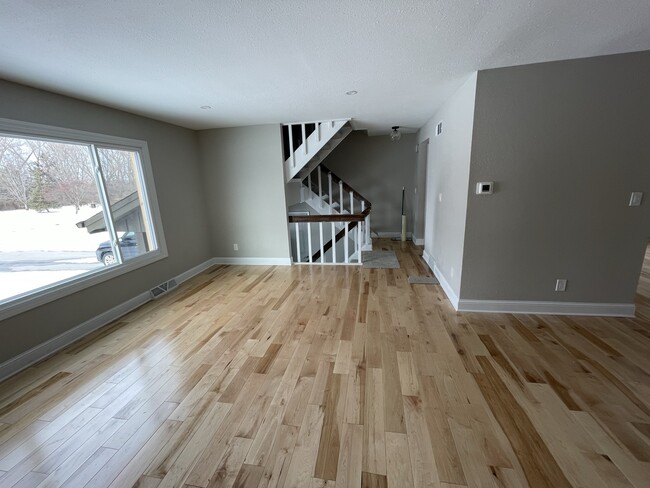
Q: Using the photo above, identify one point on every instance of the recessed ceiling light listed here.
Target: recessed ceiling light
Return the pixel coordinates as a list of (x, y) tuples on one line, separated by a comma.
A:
[(351, 92), (205, 107)]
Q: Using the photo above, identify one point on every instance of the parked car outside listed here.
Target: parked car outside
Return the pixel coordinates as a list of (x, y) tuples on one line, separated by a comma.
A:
[(128, 245)]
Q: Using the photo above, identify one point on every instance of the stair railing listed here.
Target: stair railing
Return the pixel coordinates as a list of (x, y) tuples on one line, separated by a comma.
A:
[(340, 234), (303, 141)]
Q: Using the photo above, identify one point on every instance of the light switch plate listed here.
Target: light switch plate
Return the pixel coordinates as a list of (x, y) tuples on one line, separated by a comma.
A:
[(635, 198)]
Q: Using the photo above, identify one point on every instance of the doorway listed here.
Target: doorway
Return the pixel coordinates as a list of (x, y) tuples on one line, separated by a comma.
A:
[(420, 193)]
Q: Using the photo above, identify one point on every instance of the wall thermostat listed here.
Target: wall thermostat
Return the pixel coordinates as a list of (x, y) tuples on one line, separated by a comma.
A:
[(484, 188)]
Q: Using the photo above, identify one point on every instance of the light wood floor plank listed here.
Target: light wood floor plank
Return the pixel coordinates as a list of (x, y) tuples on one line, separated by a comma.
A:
[(334, 376)]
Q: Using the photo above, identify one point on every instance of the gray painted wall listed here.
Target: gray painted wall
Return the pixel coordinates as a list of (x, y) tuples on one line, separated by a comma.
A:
[(378, 168), (448, 162), (566, 143), (175, 165), (244, 187)]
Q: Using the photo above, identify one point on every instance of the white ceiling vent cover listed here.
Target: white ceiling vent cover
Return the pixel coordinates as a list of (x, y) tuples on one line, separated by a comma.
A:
[(163, 288)]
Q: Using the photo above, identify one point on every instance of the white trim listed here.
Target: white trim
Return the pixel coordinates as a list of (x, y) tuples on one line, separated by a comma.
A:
[(254, 261), (196, 270), (547, 308), (517, 306), (419, 242), (441, 278), (37, 353), (48, 293), (49, 347), (390, 235), (35, 298)]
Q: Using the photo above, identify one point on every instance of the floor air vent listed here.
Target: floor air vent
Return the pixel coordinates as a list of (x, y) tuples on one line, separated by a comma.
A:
[(163, 288)]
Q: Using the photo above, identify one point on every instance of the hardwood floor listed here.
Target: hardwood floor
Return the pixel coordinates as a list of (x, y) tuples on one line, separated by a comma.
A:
[(334, 376)]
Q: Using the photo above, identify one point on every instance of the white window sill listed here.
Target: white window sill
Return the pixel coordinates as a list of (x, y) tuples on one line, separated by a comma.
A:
[(40, 296)]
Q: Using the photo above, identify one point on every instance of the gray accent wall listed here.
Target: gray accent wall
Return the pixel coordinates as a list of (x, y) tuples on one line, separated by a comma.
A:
[(175, 164), (245, 195), (447, 173), (378, 168), (566, 143)]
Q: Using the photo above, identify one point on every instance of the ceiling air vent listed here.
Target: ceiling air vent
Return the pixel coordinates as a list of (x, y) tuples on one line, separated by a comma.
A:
[(163, 288)]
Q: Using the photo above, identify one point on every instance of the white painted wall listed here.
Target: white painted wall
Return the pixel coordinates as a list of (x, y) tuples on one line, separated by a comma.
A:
[(448, 163)]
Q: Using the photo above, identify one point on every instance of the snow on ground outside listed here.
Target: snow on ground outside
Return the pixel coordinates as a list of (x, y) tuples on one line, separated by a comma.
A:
[(29, 231)]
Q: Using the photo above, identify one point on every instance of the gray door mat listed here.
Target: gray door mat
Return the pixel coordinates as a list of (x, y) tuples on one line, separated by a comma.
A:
[(423, 280), (379, 259)]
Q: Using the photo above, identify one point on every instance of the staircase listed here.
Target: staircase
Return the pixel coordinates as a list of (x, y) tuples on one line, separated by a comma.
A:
[(338, 229), (308, 143)]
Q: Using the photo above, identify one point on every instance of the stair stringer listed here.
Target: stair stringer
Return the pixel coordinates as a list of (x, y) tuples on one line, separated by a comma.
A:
[(319, 144)]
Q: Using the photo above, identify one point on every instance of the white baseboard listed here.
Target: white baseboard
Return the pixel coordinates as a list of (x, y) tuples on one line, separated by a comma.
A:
[(196, 270), (446, 287), (419, 242), (548, 308), (49, 347), (254, 261), (391, 235), (35, 354)]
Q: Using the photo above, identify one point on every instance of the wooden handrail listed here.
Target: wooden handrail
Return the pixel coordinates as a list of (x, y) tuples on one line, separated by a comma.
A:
[(331, 217), (331, 242)]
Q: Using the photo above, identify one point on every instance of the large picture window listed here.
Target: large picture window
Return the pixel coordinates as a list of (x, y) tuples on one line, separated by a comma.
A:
[(71, 209)]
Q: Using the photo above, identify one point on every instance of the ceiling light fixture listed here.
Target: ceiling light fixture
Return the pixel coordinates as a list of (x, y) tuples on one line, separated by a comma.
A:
[(205, 107), (395, 135), (351, 92)]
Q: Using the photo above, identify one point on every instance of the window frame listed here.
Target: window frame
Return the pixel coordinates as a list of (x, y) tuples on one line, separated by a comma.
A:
[(40, 296)]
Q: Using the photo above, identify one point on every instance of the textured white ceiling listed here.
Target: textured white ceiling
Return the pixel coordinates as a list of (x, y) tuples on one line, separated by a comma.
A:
[(267, 61)]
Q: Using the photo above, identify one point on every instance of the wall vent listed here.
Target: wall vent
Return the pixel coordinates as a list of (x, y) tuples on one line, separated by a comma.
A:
[(163, 288), (439, 128)]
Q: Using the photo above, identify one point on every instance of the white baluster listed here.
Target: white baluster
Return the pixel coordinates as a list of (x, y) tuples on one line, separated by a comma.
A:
[(333, 243), (329, 177), (358, 243), (292, 152), (320, 188), (318, 133), (351, 202), (367, 230), (322, 245), (304, 137), (309, 240), (309, 190), (340, 197), (298, 242), (345, 245)]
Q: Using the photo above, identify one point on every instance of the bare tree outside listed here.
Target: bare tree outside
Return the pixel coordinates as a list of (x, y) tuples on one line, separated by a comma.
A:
[(70, 176), (118, 173), (15, 173), (36, 174)]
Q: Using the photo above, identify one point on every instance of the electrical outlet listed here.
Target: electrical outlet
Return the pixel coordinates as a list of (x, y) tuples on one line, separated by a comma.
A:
[(560, 285), (635, 198), (235, 247)]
